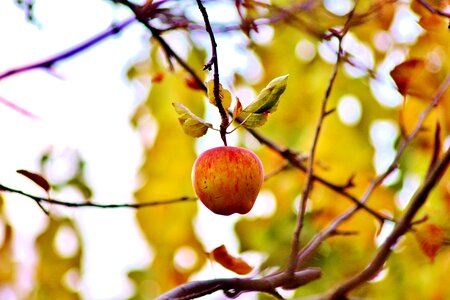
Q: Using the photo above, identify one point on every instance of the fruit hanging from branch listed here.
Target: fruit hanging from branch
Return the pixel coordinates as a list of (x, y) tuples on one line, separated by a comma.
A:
[(227, 179)]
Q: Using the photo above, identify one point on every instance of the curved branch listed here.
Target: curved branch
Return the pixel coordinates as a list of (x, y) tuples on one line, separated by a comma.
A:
[(236, 286), (49, 62)]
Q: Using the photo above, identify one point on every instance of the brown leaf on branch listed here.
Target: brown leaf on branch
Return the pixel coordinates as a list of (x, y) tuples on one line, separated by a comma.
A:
[(36, 178), (412, 78), (430, 237), (235, 264)]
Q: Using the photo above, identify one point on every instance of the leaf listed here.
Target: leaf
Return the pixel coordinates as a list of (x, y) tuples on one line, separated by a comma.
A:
[(413, 78), (235, 264), (192, 125), (36, 178), (225, 95), (237, 109), (430, 237), (266, 102)]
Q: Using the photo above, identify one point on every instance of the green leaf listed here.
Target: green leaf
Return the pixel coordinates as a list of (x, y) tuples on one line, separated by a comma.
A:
[(192, 124), (257, 112)]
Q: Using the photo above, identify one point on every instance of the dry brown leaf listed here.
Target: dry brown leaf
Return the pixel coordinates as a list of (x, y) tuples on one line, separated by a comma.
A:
[(235, 264)]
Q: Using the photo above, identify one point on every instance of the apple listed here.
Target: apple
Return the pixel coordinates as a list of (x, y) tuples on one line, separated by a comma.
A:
[(227, 179)]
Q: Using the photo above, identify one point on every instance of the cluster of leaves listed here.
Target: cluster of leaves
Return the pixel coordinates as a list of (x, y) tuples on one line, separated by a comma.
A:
[(254, 115)]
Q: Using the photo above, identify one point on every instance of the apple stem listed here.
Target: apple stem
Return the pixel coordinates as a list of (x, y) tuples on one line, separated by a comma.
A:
[(214, 62)]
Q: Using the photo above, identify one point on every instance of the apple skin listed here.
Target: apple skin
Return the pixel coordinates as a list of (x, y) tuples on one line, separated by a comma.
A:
[(227, 179)]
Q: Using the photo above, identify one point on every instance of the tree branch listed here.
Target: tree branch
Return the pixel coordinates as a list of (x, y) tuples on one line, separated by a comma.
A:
[(214, 61), (236, 286), (295, 247), (402, 228), (313, 245), (49, 62), (432, 9), (39, 200)]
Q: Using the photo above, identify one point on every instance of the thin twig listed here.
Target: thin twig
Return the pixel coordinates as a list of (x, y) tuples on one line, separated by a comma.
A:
[(214, 61), (50, 62), (432, 9), (39, 200), (309, 171), (313, 245)]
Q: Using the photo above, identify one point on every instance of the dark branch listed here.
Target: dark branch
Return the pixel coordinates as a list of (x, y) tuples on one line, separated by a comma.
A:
[(402, 228), (214, 61), (40, 200), (49, 62), (237, 286)]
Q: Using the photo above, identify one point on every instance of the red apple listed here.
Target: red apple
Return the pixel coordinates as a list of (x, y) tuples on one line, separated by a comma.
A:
[(227, 179)]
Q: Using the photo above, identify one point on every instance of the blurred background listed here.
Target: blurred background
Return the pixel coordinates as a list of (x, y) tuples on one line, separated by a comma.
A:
[(100, 127)]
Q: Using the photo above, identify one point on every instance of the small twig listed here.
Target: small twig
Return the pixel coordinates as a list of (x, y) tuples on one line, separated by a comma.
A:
[(215, 63), (38, 200), (49, 62), (282, 168), (432, 9), (293, 262)]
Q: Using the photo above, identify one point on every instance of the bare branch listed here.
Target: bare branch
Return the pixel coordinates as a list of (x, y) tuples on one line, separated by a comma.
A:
[(432, 9), (402, 227), (40, 200), (215, 63), (312, 246), (236, 286), (49, 62)]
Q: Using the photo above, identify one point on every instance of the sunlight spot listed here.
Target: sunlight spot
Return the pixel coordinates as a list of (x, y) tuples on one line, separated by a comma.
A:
[(404, 27), (383, 134), (264, 35), (185, 258), (349, 110), (66, 242), (434, 60), (382, 41), (305, 50), (386, 230), (411, 183), (328, 50), (446, 143), (296, 204), (361, 56), (384, 88), (380, 276), (339, 8), (264, 206), (71, 279)]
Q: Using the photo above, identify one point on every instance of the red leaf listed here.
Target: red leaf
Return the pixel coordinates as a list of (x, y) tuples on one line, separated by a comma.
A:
[(36, 178), (235, 264), (430, 237)]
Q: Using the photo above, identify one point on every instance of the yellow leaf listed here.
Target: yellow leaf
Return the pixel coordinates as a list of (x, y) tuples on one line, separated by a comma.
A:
[(224, 94)]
